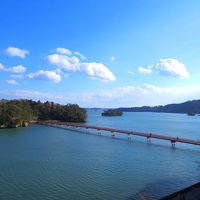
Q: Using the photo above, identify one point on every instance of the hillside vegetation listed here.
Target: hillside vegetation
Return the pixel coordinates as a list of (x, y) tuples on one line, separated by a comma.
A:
[(112, 112), (186, 107), (18, 113)]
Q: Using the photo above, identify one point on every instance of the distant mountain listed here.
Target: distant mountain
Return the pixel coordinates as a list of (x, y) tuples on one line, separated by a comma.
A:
[(95, 109), (186, 107)]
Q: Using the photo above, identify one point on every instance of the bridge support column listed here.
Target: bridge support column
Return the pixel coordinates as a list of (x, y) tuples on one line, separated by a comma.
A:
[(99, 132), (87, 131), (149, 138), (129, 137), (77, 128), (173, 144), (113, 134)]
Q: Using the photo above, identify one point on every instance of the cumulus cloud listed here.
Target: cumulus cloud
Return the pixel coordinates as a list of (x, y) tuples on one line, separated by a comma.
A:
[(167, 67), (12, 82), (16, 69), (97, 71), (16, 52), (172, 67), (2, 67), (58, 71), (64, 62), (63, 51), (145, 70), (46, 75), (73, 63), (67, 52), (81, 56)]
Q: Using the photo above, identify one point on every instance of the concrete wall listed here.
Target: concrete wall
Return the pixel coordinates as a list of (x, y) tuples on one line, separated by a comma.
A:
[(189, 193)]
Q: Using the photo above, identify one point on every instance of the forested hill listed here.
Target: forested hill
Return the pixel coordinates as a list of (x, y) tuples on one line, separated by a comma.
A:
[(186, 107), (18, 113)]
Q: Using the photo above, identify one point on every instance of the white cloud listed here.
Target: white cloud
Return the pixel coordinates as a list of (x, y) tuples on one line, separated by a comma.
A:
[(12, 82), (130, 72), (172, 67), (126, 96), (67, 52), (112, 58), (73, 64), (16, 69), (2, 68), (19, 76), (46, 75), (145, 70), (167, 67), (64, 62), (97, 71), (81, 56), (35, 95), (131, 96), (63, 51), (13, 51), (59, 71)]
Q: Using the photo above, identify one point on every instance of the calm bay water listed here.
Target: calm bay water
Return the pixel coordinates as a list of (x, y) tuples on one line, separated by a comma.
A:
[(46, 163)]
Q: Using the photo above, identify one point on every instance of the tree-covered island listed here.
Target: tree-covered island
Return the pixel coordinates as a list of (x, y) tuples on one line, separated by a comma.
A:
[(112, 112), (19, 113)]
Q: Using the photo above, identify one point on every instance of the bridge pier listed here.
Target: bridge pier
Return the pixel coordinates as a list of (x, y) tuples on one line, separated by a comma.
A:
[(87, 130), (148, 140), (113, 134), (99, 132), (113, 131), (173, 143), (129, 137)]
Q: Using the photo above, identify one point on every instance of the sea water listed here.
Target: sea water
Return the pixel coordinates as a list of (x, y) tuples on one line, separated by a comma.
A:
[(47, 163)]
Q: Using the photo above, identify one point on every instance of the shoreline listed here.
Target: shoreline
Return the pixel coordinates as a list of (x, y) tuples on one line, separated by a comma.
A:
[(26, 124)]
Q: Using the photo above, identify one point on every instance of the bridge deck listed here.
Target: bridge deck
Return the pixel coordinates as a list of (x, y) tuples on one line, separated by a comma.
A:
[(173, 140)]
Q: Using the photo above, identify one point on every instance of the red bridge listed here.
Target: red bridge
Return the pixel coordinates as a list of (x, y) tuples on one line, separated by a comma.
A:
[(173, 140)]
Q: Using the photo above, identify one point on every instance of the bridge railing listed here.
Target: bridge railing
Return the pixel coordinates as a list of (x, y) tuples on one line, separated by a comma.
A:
[(173, 140)]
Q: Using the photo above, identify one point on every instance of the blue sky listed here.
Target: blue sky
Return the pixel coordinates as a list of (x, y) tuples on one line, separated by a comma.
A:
[(100, 53)]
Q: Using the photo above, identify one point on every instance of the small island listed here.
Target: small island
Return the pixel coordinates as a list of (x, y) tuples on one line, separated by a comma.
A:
[(191, 114), (20, 113), (112, 112)]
